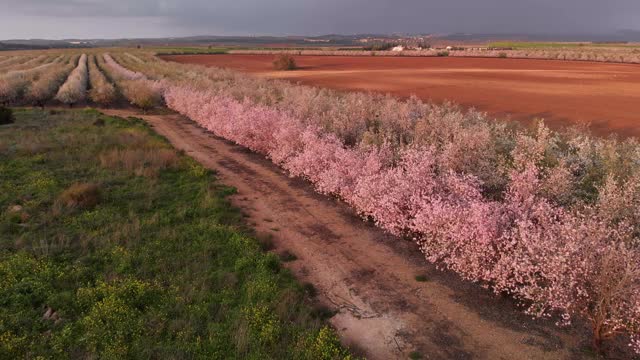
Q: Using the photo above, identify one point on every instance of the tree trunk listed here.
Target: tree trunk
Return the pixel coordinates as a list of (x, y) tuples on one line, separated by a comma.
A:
[(596, 341)]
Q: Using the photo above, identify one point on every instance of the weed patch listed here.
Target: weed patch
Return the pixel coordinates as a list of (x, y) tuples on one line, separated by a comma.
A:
[(141, 162)]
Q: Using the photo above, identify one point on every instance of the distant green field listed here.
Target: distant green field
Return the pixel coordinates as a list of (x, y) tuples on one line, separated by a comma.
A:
[(218, 50), (189, 50), (113, 245)]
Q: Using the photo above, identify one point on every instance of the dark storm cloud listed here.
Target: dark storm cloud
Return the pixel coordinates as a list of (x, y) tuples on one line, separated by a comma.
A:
[(173, 17)]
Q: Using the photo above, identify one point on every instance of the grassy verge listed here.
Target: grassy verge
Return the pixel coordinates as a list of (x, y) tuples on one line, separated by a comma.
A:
[(113, 245)]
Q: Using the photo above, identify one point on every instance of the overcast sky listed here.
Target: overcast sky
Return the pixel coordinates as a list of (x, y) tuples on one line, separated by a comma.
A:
[(56, 19)]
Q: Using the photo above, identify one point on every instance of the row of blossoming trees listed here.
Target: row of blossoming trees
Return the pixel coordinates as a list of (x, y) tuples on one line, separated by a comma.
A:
[(629, 55), (550, 218), (68, 79), (134, 85), (74, 90), (17, 83)]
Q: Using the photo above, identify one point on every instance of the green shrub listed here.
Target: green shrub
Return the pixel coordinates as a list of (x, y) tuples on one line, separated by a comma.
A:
[(421, 278), (380, 46), (115, 316), (443, 53), (6, 116), (325, 345), (263, 324), (502, 55)]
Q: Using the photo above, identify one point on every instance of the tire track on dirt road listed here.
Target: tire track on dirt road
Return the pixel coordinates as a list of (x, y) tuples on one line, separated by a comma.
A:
[(367, 275)]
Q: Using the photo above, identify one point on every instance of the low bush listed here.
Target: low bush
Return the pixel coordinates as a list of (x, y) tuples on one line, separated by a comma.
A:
[(421, 278), (80, 196), (443, 53), (12, 87), (284, 62)]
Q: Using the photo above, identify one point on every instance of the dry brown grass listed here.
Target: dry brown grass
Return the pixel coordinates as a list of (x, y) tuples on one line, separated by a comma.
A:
[(133, 139), (31, 143), (79, 196), (141, 162), (284, 62)]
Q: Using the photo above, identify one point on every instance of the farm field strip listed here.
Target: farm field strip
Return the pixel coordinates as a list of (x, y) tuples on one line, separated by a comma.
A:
[(438, 175), (630, 55), (57, 79), (29, 69), (102, 90), (133, 85), (30, 85), (10, 61), (74, 89), (32, 62), (46, 86)]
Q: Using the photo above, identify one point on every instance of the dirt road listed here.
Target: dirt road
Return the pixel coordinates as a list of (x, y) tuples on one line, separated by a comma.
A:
[(562, 92), (365, 274)]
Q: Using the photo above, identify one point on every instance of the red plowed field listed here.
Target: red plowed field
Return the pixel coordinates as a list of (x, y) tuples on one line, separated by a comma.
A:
[(607, 96)]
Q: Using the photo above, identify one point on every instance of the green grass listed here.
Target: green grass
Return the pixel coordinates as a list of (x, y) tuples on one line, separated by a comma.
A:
[(113, 245), (421, 278), (203, 50), (534, 45), (189, 50)]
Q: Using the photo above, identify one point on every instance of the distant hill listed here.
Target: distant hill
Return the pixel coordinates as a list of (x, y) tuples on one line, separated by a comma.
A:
[(312, 41), (37, 44), (620, 36), (7, 47)]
